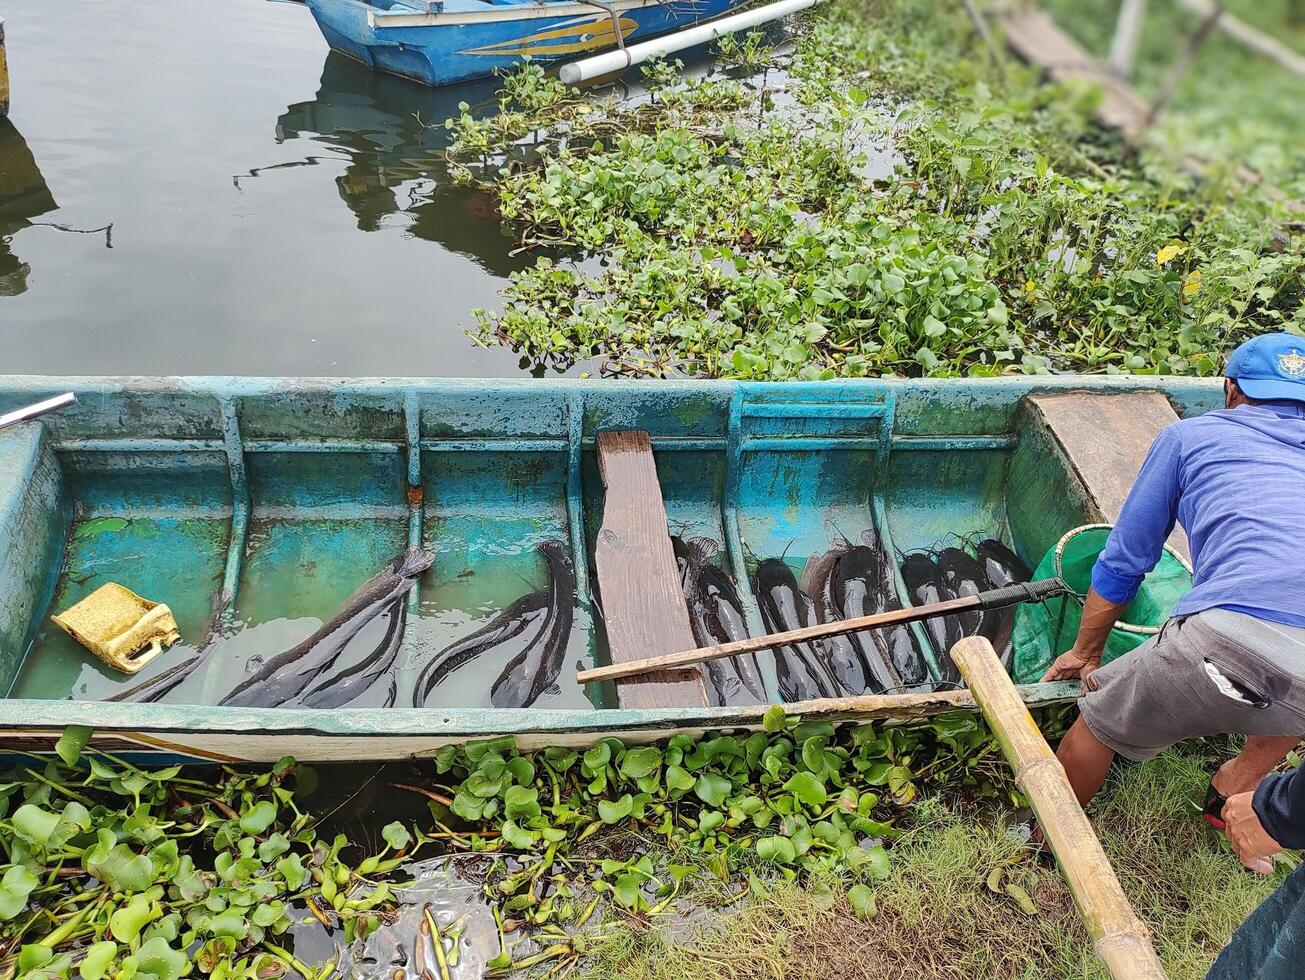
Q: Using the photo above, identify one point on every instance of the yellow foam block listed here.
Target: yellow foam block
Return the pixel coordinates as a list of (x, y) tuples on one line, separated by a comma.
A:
[(119, 627)]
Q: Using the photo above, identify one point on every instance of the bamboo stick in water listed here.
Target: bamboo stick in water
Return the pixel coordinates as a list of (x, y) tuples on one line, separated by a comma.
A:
[(1120, 938)]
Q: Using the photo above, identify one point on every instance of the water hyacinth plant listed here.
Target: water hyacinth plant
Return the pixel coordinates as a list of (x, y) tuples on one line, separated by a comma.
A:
[(961, 221), (112, 871)]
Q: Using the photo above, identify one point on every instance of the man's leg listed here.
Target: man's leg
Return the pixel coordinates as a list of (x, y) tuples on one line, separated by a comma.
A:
[(1243, 772), (1086, 760)]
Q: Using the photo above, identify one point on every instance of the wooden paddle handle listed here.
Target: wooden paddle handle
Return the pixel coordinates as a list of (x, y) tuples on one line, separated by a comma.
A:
[(1009, 595), (1118, 935)]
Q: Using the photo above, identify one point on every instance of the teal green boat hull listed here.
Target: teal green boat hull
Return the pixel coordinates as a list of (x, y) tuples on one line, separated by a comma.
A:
[(275, 498)]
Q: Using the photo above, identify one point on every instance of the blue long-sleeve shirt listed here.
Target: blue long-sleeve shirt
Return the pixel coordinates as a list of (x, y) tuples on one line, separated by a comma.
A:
[(1235, 480)]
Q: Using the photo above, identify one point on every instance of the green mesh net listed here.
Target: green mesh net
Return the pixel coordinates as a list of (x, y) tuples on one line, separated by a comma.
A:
[(1044, 631)]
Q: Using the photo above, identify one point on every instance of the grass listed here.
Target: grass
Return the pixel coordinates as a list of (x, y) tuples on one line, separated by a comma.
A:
[(937, 917)]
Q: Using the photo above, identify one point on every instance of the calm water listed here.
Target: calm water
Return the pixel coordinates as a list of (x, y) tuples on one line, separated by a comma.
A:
[(197, 187)]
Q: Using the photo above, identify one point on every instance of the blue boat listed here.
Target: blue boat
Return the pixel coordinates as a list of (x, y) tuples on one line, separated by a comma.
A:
[(440, 42)]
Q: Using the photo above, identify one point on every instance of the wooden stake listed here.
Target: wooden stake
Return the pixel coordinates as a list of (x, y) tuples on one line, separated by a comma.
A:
[(1118, 935), (1123, 46)]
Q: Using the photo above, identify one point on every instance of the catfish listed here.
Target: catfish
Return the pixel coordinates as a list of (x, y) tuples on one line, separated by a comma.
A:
[(285, 676), (963, 576), (708, 615), (536, 668), (925, 586), (801, 669), (1001, 567), (855, 590)]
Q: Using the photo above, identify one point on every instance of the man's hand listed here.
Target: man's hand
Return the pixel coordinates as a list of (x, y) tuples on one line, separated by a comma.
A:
[(1071, 664), (1249, 838)]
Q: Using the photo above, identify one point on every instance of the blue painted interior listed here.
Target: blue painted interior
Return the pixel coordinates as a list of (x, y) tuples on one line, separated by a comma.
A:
[(324, 474)]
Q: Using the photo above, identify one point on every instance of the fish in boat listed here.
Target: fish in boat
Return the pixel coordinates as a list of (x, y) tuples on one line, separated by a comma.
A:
[(854, 589), (521, 615), (897, 643), (964, 577), (846, 659), (800, 666), (1001, 567), (285, 676), (926, 586), (536, 668), (708, 616), (339, 689)]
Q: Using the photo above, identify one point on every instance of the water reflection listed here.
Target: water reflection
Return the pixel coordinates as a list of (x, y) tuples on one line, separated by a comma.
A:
[(23, 196), (391, 133)]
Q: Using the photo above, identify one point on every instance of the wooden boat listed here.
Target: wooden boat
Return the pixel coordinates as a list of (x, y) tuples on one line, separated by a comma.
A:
[(285, 494), (441, 42)]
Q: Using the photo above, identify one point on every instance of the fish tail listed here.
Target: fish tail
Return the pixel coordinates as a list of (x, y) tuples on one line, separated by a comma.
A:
[(414, 562)]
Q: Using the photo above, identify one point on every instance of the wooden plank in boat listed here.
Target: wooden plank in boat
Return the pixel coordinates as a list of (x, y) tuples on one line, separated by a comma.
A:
[(1105, 438), (643, 602)]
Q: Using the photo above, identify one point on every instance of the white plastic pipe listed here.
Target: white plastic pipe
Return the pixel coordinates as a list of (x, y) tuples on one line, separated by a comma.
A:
[(619, 60), (36, 410)]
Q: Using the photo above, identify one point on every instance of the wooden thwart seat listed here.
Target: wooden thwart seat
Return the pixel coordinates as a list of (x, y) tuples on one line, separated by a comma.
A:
[(643, 602), (1104, 439)]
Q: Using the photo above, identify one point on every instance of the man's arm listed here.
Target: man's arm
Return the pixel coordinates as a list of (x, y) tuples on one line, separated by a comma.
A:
[(1133, 548), (1262, 823)]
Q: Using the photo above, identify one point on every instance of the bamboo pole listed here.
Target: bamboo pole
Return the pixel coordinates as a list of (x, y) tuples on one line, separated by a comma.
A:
[(1123, 46), (1119, 937), (4, 74)]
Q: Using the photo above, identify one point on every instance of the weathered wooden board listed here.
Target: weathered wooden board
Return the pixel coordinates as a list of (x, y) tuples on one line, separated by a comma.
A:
[(1104, 439), (1034, 36), (643, 603)]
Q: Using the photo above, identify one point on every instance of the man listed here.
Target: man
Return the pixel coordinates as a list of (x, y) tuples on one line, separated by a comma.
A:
[(1270, 945), (1231, 659)]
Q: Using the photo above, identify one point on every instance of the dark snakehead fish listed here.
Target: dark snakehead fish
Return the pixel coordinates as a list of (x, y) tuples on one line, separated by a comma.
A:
[(963, 576), (844, 653), (855, 589), (285, 676), (342, 687)]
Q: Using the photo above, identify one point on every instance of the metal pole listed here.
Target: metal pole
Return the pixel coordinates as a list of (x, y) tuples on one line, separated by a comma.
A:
[(36, 410), (1123, 47)]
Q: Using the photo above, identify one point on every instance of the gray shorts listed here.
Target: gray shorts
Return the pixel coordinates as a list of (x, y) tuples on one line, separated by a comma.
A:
[(1213, 673)]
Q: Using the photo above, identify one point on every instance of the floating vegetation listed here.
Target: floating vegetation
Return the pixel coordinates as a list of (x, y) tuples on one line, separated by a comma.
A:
[(747, 228), (114, 871)]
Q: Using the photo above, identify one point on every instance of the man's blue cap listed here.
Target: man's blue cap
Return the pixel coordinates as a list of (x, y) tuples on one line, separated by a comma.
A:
[(1270, 367)]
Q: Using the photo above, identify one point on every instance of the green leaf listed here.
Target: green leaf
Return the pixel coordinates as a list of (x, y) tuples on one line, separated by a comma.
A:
[(877, 860), (613, 812), (522, 840), (128, 920), (159, 960), (291, 868), (807, 788), (71, 742), (258, 819), (596, 757), (521, 803), (119, 867), (95, 964), (640, 762), (467, 806), (627, 890), (17, 884), (777, 849), (862, 900), (679, 779), (522, 770), (275, 846), (396, 835), (774, 718), (712, 788)]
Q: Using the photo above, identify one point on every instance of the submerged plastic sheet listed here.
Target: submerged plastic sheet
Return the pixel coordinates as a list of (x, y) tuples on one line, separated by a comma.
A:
[(119, 627), (1046, 630)]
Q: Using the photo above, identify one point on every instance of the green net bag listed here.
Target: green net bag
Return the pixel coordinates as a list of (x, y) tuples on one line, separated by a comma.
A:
[(1046, 630)]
